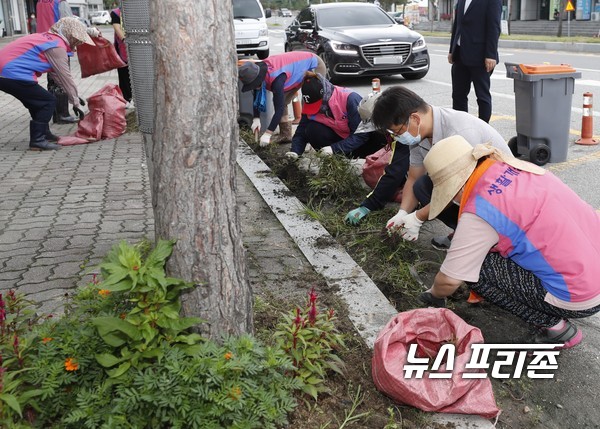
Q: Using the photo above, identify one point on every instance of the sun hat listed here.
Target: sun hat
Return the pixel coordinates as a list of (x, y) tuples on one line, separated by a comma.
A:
[(312, 95), (252, 75), (450, 163), (72, 31)]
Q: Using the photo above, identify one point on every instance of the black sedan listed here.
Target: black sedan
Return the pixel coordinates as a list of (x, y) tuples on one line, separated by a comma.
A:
[(358, 39)]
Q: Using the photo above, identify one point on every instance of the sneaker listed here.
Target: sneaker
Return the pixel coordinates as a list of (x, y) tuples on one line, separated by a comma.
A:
[(568, 335), (442, 242)]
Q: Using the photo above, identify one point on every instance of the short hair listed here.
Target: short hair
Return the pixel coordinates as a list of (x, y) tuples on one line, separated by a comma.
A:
[(394, 107)]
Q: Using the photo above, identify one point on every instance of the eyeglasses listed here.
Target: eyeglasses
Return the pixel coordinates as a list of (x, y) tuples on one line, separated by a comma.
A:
[(399, 131)]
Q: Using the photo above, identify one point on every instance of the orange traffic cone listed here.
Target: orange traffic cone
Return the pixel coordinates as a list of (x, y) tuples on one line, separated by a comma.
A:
[(587, 121)]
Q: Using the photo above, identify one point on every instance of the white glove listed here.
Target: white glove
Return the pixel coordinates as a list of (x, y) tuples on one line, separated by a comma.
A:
[(265, 139), (255, 125), (326, 150), (410, 230), (393, 224), (292, 156), (93, 31)]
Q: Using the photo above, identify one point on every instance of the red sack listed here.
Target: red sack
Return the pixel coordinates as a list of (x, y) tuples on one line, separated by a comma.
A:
[(106, 119), (374, 167), (430, 328), (98, 59)]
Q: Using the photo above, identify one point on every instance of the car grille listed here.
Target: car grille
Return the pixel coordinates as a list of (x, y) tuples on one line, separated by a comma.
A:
[(385, 49)]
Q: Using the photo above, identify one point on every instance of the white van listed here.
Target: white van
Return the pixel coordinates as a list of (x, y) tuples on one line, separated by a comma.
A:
[(101, 17), (251, 32)]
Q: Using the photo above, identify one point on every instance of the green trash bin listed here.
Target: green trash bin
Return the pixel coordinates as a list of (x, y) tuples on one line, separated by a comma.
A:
[(543, 95)]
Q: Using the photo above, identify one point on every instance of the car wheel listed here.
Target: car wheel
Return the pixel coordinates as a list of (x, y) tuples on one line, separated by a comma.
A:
[(262, 54), (107, 22), (414, 76), (330, 75)]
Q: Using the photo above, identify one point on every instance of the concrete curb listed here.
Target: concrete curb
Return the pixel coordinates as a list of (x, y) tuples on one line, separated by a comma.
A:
[(369, 310), (591, 48)]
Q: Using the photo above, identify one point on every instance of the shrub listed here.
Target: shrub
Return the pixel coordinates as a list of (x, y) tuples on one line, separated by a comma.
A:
[(123, 357)]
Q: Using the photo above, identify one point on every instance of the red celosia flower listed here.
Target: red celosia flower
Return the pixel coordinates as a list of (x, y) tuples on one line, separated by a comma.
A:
[(312, 314), (312, 296)]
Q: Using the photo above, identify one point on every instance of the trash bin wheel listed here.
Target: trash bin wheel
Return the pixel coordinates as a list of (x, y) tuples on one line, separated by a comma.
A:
[(540, 154), (512, 145)]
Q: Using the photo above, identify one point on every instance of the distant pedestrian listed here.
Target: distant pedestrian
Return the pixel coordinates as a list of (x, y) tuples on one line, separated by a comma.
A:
[(281, 74), (474, 52), (24, 59), (123, 72), (32, 24)]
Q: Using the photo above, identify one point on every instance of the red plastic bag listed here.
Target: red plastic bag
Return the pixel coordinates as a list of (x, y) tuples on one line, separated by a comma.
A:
[(430, 328), (374, 167), (98, 59), (106, 119)]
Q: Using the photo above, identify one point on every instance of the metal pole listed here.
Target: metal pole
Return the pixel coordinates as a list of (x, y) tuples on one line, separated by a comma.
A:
[(569, 24)]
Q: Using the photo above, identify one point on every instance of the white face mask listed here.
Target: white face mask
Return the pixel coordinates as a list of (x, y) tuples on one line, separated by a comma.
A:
[(407, 138)]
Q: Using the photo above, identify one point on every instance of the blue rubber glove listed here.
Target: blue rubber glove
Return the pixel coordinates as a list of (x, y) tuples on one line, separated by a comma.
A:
[(354, 216)]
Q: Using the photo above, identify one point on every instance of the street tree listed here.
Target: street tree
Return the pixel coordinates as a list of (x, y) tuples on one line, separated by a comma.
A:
[(194, 153)]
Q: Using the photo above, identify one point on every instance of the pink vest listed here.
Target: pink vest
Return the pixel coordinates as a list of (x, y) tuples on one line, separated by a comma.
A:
[(544, 227), (47, 13), (338, 106), (25, 58), (293, 64)]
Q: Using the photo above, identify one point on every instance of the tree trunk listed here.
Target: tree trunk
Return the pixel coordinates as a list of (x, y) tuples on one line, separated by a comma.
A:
[(561, 7), (194, 153)]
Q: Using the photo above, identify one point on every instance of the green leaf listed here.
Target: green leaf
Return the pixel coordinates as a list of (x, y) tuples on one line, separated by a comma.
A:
[(114, 340), (12, 402), (161, 252), (311, 390), (119, 371), (106, 325), (107, 360)]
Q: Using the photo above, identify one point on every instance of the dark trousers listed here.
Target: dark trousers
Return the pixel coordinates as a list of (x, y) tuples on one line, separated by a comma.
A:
[(320, 135), (422, 189), (125, 82), (462, 77), (36, 99)]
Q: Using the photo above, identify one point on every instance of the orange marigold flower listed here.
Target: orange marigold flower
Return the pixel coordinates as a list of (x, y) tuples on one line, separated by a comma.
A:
[(228, 355), (235, 393), (71, 364), (46, 340), (122, 316), (103, 292)]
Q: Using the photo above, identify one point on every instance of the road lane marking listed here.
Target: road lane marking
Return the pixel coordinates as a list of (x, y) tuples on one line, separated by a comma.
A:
[(574, 162)]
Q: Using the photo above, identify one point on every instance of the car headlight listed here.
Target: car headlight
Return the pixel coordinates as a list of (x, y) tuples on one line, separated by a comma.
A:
[(419, 44), (263, 32), (343, 48)]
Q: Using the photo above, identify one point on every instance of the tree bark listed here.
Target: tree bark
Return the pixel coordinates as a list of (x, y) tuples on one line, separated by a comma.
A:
[(194, 153)]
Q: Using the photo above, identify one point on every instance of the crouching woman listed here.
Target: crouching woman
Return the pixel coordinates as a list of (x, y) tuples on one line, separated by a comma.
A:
[(524, 240)]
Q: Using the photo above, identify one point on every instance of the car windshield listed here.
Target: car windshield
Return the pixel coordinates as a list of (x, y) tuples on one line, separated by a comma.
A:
[(352, 17), (246, 9)]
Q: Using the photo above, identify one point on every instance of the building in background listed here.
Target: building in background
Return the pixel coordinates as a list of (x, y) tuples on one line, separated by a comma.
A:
[(14, 13)]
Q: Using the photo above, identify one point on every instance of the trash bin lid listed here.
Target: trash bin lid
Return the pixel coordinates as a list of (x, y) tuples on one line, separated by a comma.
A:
[(546, 68)]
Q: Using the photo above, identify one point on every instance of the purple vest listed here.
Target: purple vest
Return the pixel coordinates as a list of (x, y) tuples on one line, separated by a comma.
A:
[(544, 227), (293, 64), (24, 58), (338, 106)]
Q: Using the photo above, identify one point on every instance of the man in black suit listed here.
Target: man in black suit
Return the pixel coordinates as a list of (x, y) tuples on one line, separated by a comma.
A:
[(474, 52)]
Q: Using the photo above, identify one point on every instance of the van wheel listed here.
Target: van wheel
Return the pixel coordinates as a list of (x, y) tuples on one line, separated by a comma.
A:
[(262, 54)]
